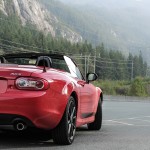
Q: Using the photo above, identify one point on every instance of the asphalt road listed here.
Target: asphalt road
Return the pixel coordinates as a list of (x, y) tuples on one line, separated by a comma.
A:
[(126, 126)]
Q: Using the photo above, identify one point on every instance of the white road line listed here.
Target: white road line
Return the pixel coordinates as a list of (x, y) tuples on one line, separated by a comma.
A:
[(142, 120), (130, 118), (142, 125), (112, 124), (121, 121), (128, 125), (124, 123), (139, 117)]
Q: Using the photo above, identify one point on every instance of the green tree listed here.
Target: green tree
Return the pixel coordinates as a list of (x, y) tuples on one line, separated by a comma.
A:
[(138, 88)]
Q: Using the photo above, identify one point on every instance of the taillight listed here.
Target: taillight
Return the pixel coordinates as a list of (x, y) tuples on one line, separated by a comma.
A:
[(32, 84)]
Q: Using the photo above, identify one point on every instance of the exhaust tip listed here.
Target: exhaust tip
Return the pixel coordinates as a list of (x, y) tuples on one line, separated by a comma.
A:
[(20, 126)]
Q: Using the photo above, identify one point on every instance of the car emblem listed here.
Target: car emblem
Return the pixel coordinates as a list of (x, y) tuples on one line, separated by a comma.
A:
[(15, 74)]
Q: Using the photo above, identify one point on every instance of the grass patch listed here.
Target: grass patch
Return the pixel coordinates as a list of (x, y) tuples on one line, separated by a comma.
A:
[(138, 87)]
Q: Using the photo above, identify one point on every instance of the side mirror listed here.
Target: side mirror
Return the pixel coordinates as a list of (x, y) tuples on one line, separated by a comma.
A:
[(91, 77)]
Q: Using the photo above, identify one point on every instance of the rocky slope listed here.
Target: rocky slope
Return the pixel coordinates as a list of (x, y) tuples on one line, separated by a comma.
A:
[(33, 12)]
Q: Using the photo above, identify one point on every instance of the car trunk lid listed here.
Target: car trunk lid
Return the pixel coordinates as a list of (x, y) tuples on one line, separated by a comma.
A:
[(14, 72), (10, 72)]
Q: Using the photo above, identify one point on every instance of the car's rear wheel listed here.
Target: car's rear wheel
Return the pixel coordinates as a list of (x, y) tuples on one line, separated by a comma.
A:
[(64, 133), (96, 125)]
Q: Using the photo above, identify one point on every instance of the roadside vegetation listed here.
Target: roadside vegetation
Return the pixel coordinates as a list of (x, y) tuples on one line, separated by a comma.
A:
[(138, 87)]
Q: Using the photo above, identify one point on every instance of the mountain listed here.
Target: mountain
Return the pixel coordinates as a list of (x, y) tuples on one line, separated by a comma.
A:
[(49, 26), (35, 13), (121, 25)]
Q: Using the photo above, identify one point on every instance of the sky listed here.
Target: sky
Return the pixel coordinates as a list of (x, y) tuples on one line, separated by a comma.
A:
[(139, 5), (108, 2)]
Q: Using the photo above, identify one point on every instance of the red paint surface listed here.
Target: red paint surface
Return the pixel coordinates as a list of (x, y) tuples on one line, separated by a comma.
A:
[(45, 108)]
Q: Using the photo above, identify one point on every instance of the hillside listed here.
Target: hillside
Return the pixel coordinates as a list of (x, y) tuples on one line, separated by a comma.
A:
[(34, 13), (22, 28), (122, 25)]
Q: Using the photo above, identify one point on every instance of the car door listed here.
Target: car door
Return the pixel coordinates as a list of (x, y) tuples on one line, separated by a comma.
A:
[(87, 99), (87, 94)]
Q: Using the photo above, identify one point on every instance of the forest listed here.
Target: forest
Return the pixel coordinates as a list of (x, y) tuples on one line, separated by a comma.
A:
[(107, 63)]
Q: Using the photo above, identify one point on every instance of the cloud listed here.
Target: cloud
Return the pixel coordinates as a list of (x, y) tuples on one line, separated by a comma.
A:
[(139, 0)]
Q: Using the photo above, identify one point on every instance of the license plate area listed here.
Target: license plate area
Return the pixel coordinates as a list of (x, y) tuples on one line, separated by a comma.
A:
[(3, 86)]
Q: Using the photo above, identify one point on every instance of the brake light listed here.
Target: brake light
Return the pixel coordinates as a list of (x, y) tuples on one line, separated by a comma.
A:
[(32, 84)]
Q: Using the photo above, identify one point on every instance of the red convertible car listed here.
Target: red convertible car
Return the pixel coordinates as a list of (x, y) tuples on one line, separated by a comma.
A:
[(47, 91)]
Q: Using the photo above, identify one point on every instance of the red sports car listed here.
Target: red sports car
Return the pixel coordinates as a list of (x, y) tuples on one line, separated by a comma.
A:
[(47, 91)]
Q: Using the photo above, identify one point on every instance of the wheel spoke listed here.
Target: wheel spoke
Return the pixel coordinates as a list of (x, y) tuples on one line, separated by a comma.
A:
[(72, 114), (69, 128), (73, 131), (74, 118), (71, 121), (74, 126)]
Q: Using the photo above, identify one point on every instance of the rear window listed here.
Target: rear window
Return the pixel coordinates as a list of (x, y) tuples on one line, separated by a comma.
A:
[(21, 61), (57, 63)]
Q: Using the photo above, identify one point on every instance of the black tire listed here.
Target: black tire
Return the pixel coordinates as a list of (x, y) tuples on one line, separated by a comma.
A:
[(64, 133), (96, 125)]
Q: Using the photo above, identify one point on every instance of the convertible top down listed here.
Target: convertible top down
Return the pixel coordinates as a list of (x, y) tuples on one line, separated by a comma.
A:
[(48, 91)]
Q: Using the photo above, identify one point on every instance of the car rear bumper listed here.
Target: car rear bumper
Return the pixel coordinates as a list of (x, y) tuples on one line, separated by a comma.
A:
[(35, 108)]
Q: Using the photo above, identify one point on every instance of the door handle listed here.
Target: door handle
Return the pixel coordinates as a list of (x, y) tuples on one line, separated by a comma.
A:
[(82, 83)]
